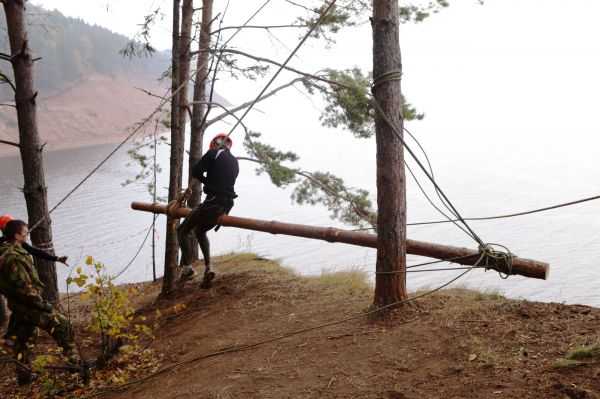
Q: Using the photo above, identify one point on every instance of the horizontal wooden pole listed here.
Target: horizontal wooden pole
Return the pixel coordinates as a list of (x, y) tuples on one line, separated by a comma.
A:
[(463, 256)]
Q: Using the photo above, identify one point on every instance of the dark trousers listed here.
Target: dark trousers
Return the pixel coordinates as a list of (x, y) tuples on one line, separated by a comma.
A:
[(200, 220)]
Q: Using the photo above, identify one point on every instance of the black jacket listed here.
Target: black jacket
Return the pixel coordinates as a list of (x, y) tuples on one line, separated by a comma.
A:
[(33, 251), (221, 169)]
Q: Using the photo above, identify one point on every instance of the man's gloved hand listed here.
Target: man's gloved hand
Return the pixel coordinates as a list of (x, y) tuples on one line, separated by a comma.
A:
[(62, 259), (48, 307)]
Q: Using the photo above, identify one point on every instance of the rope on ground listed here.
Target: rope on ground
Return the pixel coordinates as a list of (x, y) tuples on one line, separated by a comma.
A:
[(274, 339)]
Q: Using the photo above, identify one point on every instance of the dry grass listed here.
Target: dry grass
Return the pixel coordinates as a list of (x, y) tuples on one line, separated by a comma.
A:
[(333, 284), (584, 352), (566, 364), (342, 283)]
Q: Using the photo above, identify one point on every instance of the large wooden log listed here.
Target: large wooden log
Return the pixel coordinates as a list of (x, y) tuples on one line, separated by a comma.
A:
[(463, 256)]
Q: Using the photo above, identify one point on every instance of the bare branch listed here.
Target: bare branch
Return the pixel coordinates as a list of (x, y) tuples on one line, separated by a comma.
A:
[(247, 104), (7, 105), (152, 94), (300, 5), (10, 143), (261, 59), (267, 27), (5, 57), (6, 79)]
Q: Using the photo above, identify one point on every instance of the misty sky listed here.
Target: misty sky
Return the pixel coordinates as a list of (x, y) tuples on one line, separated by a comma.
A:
[(518, 76)]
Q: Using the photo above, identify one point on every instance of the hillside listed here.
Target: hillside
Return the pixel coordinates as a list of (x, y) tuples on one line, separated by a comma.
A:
[(86, 88), (94, 110), (452, 344), (70, 50)]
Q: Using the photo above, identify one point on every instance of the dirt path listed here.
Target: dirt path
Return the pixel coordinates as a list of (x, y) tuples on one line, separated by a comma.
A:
[(454, 344)]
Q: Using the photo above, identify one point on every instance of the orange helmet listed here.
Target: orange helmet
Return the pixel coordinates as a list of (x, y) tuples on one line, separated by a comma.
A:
[(3, 220), (219, 140)]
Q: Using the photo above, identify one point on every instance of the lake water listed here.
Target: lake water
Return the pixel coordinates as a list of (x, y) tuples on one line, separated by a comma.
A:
[(520, 172)]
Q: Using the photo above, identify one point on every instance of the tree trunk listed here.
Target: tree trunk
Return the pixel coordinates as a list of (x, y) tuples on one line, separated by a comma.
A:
[(34, 187), (3, 315), (176, 161), (391, 181), (185, 58), (199, 111)]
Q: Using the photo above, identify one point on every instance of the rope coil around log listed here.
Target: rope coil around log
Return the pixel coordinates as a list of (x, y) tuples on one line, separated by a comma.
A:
[(501, 261)]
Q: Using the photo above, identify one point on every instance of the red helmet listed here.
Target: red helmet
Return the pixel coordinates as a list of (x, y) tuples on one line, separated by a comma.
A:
[(219, 140), (3, 220)]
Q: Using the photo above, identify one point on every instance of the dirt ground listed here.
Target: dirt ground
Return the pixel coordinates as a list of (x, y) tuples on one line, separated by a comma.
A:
[(451, 344)]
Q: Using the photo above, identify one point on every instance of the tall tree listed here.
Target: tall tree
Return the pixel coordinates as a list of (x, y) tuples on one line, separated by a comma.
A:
[(185, 58), (176, 161), (200, 108), (34, 187), (390, 281)]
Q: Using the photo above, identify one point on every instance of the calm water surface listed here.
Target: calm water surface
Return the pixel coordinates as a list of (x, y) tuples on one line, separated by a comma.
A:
[(97, 219)]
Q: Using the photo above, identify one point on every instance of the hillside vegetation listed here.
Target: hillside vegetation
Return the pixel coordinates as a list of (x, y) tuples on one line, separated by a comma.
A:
[(88, 93), (71, 50)]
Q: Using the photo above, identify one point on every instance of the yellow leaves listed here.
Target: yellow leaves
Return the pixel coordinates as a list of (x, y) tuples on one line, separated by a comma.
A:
[(117, 379), (180, 307), (87, 294), (79, 270), (89, 260), (19, 356), (158, 313)]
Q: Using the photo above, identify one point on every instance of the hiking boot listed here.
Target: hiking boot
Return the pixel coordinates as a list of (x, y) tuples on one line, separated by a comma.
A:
[(24, 379), (75, 365), (8, 345), (187, 273), (209, 275)]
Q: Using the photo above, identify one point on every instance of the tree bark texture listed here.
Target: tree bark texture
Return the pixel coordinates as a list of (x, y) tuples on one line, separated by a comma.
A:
[(176, 161), (34, 187), (185, 57), (199, 111), (3, 315), (391, 179)]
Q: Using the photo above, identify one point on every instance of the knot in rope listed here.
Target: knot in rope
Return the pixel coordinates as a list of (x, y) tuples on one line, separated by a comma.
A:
[(499, 260), (395, 74), (178, 202)]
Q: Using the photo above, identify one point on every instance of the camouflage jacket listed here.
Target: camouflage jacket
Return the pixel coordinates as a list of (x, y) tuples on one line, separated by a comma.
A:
[(19, 281)]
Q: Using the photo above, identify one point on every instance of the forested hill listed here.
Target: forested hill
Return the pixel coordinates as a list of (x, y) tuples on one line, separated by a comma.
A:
[(88, 92), (70, 50)]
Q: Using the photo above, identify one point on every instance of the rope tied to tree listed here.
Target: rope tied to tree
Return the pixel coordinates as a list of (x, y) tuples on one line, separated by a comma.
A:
[(395, 74)]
